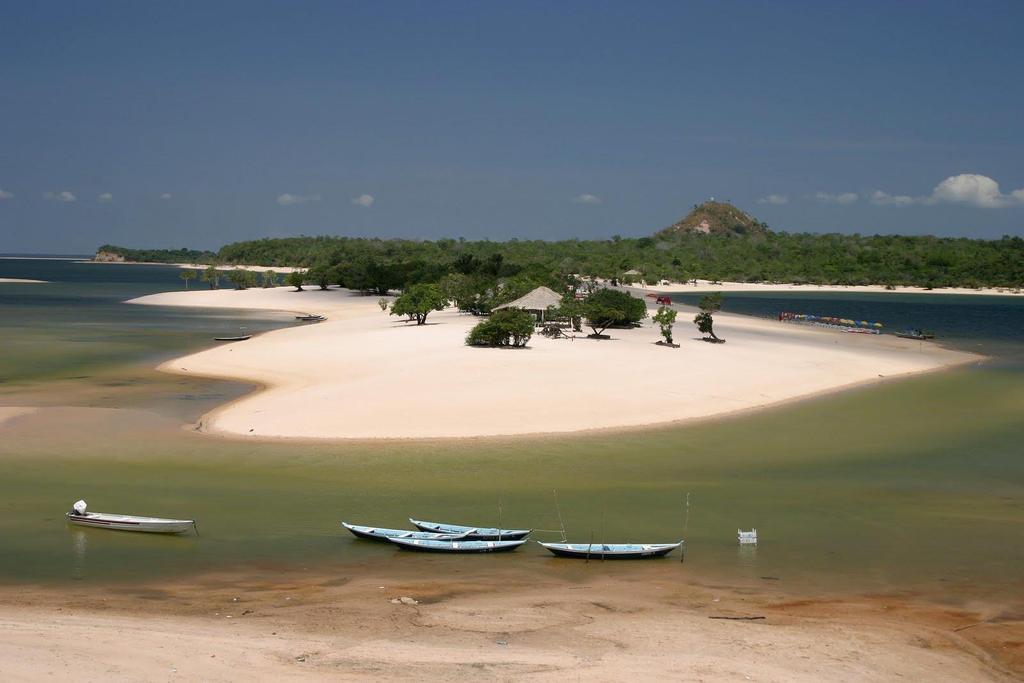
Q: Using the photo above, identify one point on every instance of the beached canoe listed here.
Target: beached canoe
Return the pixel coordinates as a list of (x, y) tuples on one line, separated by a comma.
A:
[(241, 337), (476, 533), (611, 551), (374, 533), (153, 525), (310, 318), (428, 546)]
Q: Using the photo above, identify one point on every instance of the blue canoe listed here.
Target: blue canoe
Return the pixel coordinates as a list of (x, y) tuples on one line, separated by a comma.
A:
[(476, 533), (374, 533), (611, 551), (467, 546)]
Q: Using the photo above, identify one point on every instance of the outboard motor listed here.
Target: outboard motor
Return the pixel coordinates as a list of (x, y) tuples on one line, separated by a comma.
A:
[(78, 508)]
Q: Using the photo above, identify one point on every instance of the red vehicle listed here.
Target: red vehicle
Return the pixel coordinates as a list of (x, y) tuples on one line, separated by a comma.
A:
[(664, 300)]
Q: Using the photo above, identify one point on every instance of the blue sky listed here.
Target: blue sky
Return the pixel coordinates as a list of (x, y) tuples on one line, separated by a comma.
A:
[(197, 124)]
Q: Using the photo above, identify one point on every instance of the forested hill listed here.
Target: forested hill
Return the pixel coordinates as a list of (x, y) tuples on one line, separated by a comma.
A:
[(715, 242)]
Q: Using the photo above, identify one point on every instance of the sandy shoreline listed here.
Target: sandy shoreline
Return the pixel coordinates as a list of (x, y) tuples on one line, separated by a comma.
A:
[(704, 286), (403, 381), (197, 266), (21, 280), (605, 625)]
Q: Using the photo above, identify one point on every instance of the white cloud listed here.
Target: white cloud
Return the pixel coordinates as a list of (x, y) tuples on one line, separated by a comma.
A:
[(586, 199), (105, 198), (775, 199), (879, 198), (165, 195), (841, 198), (365, 200), (287, 199), (64, 196), (6, 195), (974, 189)]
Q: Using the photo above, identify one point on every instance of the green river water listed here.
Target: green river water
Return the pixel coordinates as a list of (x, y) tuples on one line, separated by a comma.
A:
[(910, 486)]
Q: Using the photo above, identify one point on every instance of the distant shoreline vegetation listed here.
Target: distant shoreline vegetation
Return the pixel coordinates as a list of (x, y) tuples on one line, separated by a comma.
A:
[(687, 250)]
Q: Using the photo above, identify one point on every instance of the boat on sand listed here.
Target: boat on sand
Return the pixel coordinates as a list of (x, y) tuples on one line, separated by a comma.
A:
[(374, 533), (611, 551), (106, 520), (475, 533), (437, 546)]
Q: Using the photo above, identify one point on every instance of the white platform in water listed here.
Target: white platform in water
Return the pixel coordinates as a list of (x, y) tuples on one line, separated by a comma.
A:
[(747, 537), (155, 525)]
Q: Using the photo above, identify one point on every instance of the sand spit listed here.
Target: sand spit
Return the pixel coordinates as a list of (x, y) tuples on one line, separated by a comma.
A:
[(365, 375), (602, 628), (20, 280), (199, 266)]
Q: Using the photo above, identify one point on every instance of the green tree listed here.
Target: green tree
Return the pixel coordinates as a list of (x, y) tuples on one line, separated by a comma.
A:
[(240, 278), (212, 276), (321, 276), (269, 279), (665, 317), (607, 307), (383, 303), (507, 327), (186, 275), (705, 321), (417, 301), (296, 279)]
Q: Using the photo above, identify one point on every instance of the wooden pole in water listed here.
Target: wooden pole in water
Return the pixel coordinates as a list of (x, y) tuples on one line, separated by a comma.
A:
[(591, 546), (602, 534), (686, 527), (499, 518)]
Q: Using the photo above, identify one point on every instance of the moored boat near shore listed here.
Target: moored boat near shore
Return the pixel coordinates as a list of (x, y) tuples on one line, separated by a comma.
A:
[(611, 551), (380, 534), (473, 532), (105, 520)]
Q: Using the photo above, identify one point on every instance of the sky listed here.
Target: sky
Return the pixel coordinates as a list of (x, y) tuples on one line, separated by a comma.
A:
[(195, 124)]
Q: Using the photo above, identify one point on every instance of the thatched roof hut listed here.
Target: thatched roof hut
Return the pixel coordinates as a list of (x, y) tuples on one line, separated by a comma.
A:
[(536, 302)]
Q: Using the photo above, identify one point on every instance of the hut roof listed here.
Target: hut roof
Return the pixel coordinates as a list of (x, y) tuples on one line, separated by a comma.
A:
[(537, 300)]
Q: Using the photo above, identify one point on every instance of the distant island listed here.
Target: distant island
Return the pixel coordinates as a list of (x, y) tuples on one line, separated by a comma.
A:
[(716, 241)]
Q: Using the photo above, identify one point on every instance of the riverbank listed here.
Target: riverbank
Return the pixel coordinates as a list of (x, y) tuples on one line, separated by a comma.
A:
[(600, 623), (397, 380), (704, 286)]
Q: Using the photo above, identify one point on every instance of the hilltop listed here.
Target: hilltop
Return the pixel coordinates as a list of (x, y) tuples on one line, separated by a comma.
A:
[(716, 218)]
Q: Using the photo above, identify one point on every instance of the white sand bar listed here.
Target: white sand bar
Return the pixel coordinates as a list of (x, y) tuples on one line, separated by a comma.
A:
[(703, 286), (21, 281), (363, 374)]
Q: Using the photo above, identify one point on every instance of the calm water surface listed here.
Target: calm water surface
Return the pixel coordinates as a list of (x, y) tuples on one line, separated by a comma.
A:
[(915, 485)]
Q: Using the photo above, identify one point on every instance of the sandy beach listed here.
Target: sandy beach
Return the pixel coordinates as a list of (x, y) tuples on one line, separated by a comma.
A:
[(604, 626), (19, 280), (366, 375), (200, 266), (703, 286)]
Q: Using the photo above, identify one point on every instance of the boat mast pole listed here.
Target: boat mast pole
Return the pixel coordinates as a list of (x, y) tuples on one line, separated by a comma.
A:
[(558, 509)]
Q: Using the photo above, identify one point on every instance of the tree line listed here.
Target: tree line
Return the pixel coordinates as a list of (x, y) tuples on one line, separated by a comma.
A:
[(376, 265)]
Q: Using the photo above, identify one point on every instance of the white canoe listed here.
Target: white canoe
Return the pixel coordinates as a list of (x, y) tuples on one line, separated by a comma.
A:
[(153, 525)]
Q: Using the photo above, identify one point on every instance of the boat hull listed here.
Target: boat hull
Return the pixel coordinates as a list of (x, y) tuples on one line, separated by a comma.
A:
[(382, 535), (472, 533), (456, 547), (599, 551), (151, 525)]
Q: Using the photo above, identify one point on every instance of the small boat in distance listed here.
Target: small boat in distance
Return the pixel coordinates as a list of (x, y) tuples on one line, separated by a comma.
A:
[(429, 546), (310, 317), (105, 520), (378, 534), (611, 551), (241, 337), (916, 334), (475, 533)]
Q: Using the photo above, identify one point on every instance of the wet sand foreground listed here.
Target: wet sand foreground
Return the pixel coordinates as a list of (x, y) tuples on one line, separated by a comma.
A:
[(606, 626)]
